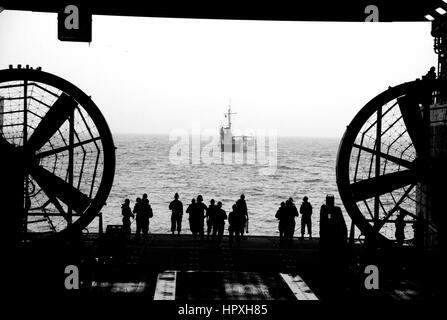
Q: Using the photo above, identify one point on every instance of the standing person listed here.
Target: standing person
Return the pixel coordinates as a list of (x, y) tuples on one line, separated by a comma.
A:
[(219, 223), (431, 74), (190, 210), (281, 216), (210, 215), (291, 213), (427, 95), (199, 216), (306, 217), (400, 229), (242, 207), (137, 206), (126, 212), (143, 219), (235, 225), (137, 212), (176, 206)]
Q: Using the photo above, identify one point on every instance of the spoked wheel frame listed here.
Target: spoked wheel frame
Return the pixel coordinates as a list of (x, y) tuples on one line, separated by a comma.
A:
[(69, 101), (409, 171)]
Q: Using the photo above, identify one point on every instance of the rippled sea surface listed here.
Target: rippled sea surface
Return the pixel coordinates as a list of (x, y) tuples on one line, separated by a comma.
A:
[(305, 166)]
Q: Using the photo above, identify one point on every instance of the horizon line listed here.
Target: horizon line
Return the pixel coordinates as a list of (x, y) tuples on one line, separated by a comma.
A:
[(280, 136)]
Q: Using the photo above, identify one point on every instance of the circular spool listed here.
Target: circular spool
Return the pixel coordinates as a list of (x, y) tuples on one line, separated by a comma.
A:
[(384, 162), (62, 147)]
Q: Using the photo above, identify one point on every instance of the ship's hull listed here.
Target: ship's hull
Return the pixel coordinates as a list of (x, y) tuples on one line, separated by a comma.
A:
[(230, 143)]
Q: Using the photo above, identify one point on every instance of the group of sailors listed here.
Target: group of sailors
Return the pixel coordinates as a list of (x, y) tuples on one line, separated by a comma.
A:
[(141, 213), (199, 213), (214, 216), (286, 215), (332, 224)]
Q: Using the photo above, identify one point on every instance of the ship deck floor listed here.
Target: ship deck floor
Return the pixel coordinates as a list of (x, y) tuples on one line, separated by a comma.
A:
[(260, 268)]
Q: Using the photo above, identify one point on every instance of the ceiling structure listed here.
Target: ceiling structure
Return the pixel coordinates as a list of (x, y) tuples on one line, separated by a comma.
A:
[(296, 10)]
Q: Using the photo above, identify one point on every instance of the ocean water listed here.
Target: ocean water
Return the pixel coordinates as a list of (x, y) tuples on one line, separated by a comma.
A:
[(305, 167)]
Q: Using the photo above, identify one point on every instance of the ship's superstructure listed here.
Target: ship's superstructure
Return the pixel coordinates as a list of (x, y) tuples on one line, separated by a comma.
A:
[(230, 142)]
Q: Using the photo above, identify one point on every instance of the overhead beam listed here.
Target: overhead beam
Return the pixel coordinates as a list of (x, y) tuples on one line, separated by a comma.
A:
[(292, 10)]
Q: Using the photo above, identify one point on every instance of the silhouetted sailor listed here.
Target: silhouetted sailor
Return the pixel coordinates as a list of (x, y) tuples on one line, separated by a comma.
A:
[(333, 231), (199, 216), (400, 229), (306, 217), (137, 209), (176, 206), (190, 210), (137, 206), (235, 221), (126, 212), (142, 219), (242, 208), (281, 216), (289, 223), (431, 74), (219, 223), (427, 94), (210, 215)]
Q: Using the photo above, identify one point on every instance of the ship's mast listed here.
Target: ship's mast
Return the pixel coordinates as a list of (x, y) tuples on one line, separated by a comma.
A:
[(228, 115)]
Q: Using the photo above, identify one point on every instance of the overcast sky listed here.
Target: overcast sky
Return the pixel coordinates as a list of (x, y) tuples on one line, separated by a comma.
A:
[(152, 75)]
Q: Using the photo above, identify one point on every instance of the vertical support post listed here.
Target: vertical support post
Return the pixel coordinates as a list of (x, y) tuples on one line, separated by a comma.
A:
[(2, 106), (100, 226), (426, 210), (26, 200), (70, 160), (377, 164), (25, 112), (352, 234)]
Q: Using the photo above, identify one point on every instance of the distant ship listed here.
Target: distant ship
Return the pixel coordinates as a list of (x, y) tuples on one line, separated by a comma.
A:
[(235, 143)]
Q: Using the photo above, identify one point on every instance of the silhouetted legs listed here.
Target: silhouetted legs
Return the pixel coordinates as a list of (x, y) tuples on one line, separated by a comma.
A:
[(126, 225), (192, 227), (196, 228), (142, 227), (201, 231), (218, 232), (176, 224), (209, 228), (282, 233), (138, 231), (304, 223), (234, 233), (288, 232), (145, 228), (242, 231)]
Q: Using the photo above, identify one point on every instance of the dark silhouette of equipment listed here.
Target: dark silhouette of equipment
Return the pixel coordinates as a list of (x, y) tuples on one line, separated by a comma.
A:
[(57, 155), (384, 162), (333, 231)]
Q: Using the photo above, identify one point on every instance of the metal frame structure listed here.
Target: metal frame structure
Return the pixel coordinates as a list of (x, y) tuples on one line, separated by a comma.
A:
[(62, 150), (384, 156)]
